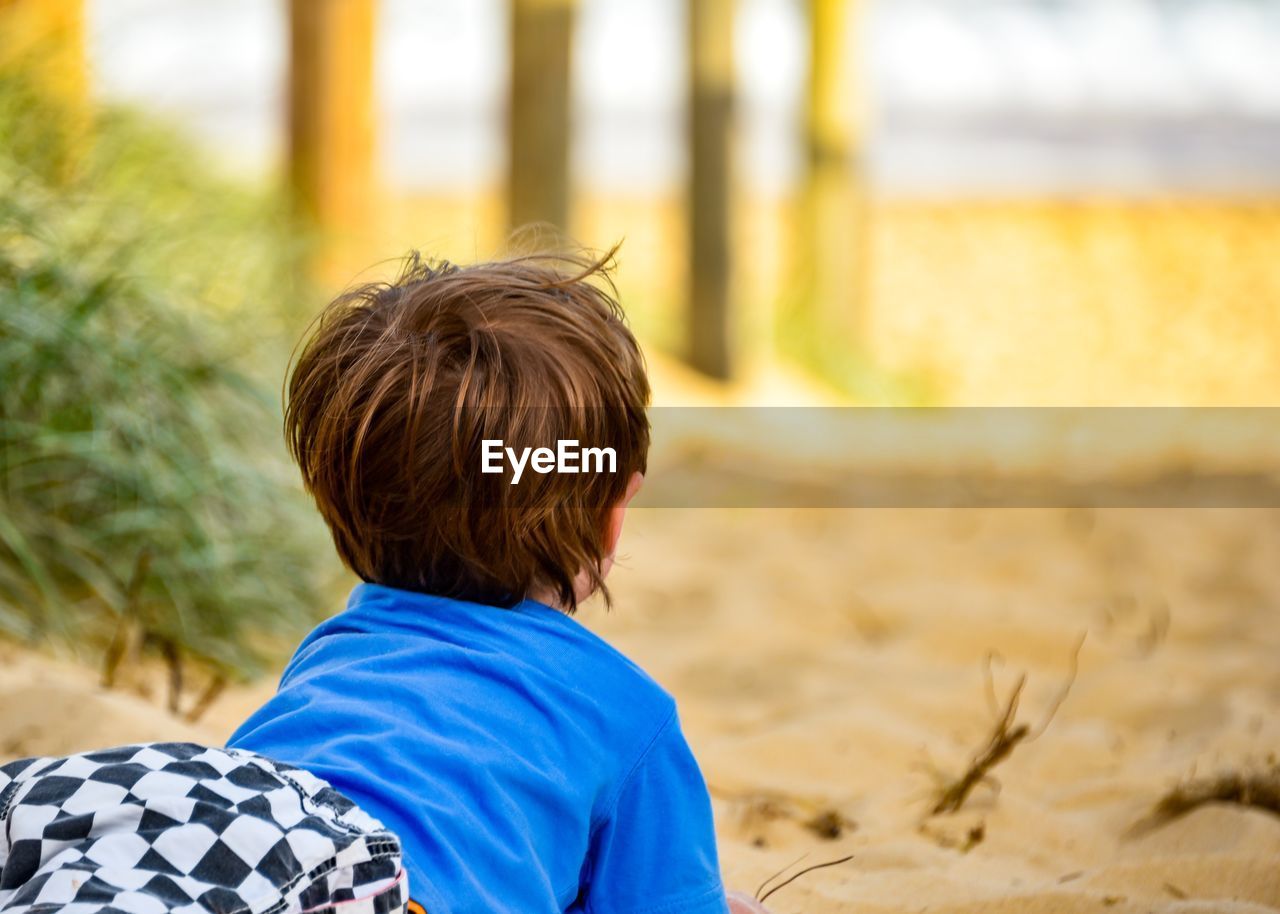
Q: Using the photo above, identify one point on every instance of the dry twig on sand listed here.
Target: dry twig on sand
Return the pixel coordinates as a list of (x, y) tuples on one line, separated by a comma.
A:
[(756, 809), (762, 895), (128, 629), (1256, 790), (211, 693), (1005, 737), (1002, 741)]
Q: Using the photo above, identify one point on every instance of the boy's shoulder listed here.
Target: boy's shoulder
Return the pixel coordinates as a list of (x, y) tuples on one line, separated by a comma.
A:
[(528, 640)]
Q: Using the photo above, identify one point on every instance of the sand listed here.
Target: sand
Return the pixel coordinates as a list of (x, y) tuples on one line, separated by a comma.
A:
[(829, 667)]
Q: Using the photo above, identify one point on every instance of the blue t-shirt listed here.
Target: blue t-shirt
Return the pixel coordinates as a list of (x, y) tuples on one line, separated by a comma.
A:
[(525, 764)]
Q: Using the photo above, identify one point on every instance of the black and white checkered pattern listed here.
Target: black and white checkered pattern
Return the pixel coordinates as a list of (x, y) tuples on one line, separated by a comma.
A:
[(176, 827)]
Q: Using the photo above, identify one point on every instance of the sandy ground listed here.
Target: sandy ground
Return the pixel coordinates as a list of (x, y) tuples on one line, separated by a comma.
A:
[(833, 668), (830, 668)]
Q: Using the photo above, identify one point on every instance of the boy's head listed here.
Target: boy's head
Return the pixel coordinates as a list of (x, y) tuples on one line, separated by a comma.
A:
[(395, 392)]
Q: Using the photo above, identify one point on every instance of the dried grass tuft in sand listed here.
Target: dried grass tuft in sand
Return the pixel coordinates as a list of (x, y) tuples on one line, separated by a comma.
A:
[(1006, 735), (762, 895), (999, 745), (1256, 790), (755, 810)]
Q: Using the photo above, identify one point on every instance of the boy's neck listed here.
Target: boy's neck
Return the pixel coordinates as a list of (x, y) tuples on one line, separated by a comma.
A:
[(547, 597)]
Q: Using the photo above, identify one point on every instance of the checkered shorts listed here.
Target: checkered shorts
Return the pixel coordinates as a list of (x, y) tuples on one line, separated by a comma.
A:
[(175, 827)]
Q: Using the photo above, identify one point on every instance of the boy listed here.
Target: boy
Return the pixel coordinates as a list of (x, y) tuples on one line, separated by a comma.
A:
[(525, 765)]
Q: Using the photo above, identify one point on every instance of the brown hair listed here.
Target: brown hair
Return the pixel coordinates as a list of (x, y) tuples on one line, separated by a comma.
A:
[(399, 383)]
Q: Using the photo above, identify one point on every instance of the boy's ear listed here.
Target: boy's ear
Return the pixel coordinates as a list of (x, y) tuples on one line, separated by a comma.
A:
[(618, 513)]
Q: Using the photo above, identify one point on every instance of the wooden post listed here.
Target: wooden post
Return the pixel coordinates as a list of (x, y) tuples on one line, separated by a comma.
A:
[(47, 36), (332, 124), (834, 237), (710, 182), (45, 40), (541, 100)]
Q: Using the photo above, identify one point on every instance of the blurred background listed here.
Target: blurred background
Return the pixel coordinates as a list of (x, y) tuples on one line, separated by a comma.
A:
[(823, 204), (944, 201)]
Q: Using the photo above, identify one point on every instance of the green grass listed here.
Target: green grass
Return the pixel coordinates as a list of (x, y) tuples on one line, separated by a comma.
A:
[(145, 310)]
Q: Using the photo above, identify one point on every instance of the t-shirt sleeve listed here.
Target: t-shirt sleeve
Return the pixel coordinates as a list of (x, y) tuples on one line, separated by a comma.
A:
[(656, 852)]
